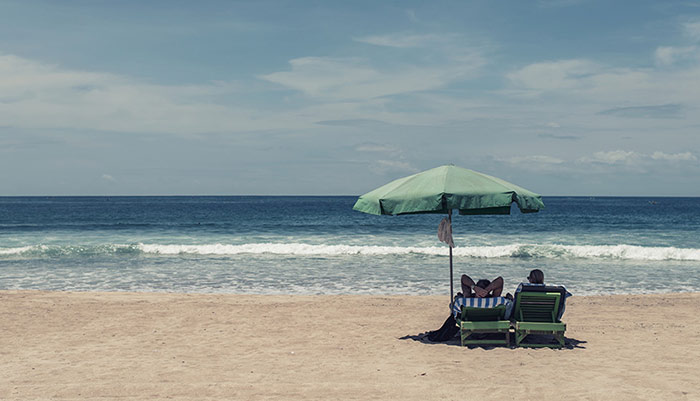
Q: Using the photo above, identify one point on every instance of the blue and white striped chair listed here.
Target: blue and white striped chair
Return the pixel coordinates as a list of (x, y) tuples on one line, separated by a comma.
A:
[(482, 316)]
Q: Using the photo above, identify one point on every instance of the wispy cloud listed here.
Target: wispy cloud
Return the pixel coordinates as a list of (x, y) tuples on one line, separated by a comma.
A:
[(612, 157), (674, 157), (357, 79), (405, 41), (601, 161), (558, 3), (75, 99), (544, 164), (376, 147), (420, 62), (668, 55), (692, 29), (560, 137), (357, 122), (411, 14), (554, 75), (657, 111), (584, 82), (388, 166), (631, 158), (541, 159)]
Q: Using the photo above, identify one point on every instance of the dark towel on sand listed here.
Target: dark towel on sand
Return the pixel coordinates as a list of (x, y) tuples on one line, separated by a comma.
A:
[(445, 333)]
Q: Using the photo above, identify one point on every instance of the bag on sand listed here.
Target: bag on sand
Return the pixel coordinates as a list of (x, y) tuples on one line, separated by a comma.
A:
[(445, 333)]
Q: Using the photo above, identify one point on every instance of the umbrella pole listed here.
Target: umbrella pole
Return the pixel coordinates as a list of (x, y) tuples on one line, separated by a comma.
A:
[(452, 295)]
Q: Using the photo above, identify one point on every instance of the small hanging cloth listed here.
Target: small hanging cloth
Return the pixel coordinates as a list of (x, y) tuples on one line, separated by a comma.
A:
[(445, 232)]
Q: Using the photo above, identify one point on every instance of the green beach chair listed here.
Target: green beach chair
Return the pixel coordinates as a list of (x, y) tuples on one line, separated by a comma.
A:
[(536, 312), (484, 321)]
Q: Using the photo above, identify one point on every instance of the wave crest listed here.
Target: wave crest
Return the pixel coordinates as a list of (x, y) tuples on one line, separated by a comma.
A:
[(548, 251)]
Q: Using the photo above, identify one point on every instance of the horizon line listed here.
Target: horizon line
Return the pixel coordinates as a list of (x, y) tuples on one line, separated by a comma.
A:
[(315, 195)]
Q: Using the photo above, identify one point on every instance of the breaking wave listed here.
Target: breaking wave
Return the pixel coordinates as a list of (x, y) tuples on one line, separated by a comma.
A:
[(548, 251)]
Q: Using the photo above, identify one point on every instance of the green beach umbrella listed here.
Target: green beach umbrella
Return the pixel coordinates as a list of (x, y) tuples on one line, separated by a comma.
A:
[(444, 188)]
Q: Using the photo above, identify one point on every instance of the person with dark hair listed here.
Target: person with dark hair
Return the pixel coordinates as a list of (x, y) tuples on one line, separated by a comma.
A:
[(536, 276), (482, 288), (490, 291)]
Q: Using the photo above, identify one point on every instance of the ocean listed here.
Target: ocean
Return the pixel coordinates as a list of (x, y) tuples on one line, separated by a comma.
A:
[(319, 245)]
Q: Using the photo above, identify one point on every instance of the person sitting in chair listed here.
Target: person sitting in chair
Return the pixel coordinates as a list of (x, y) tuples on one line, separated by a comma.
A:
[(536, 279), (536, 276), (490, 291), (482, 288)]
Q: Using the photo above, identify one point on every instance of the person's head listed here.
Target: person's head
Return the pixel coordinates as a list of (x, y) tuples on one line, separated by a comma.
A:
[(483, 283), (536, 277)]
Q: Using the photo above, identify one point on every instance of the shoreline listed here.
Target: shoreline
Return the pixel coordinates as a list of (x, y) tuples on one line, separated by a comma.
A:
[(148, 345)]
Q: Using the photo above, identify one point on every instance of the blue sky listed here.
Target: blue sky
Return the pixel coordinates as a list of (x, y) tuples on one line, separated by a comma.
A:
[(563, 97)]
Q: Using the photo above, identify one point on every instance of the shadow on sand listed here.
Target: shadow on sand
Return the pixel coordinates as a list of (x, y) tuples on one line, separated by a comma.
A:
[(569, 343)]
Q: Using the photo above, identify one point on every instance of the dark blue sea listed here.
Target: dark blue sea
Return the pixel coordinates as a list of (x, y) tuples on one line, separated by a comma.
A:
[(319, 245)]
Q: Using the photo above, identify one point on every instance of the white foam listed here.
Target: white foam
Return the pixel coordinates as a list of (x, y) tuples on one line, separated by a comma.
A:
[(287, 249), (22, 249), (547, 251), (632, 252), (554, 251)]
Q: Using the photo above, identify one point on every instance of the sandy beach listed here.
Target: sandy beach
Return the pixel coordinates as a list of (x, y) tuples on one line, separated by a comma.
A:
[(144, 346)]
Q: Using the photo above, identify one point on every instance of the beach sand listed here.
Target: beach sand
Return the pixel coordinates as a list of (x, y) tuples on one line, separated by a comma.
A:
[(145, 346)]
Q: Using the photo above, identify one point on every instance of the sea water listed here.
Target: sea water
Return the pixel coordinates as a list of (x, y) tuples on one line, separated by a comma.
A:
[(319, 245)]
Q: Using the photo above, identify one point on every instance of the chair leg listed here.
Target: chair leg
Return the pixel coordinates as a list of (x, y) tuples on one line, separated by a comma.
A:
[(560, 338), (464, 334)]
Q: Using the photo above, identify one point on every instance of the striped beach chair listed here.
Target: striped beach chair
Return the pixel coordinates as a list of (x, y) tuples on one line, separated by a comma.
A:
[(482, 316)]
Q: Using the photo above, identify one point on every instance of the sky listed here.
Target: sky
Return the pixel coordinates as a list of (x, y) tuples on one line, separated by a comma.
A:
[(562, 97)]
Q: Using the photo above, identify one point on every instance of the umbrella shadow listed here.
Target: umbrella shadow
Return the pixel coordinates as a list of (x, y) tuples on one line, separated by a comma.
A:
[(569, 343)]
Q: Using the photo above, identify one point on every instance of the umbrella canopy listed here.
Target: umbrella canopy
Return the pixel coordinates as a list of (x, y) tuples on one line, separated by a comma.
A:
[(444, 188)]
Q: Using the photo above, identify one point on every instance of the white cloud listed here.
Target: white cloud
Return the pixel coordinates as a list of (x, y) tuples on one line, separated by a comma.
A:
[(685, 156), (602, 162), (336, 88), (692, 29), (588, 82), (404, 41), (375, 147), (411, 14), (541, 159), (558, 3), (108, 177), (355, 79), (648, 111), (318, 75), (612, 157), (554, 75), (585, 83), (419, 62), (669, 55), (629, 158), (385, 166), (38, 95)]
